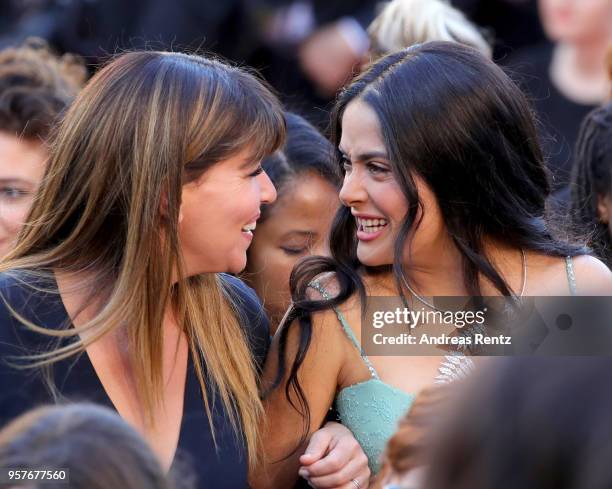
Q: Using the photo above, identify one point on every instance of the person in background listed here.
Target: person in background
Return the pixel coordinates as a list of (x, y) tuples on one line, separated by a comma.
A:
[(566, 78), (591, 185), (94, 447), (297, 224), (500, 18), (35, 88), (310, 49), (402, 23), (532, 422)]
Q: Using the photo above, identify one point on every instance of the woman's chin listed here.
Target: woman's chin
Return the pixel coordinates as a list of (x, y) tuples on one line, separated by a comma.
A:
[(236, 265), (373, 259)]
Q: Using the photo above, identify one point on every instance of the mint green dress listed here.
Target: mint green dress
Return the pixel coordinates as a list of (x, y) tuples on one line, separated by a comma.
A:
[(370, 409)]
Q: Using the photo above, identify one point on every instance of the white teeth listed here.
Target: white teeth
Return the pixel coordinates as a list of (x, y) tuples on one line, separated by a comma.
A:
[(249, 227), (371, 225)]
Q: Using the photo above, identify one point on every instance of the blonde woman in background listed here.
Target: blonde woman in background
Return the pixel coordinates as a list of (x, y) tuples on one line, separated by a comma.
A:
[(402, 23)]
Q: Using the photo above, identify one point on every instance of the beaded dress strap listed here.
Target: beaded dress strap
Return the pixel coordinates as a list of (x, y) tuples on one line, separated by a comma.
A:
[(571, 276)]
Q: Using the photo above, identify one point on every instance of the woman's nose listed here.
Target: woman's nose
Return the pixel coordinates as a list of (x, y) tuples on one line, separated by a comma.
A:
[(353, 190), (268, 192)]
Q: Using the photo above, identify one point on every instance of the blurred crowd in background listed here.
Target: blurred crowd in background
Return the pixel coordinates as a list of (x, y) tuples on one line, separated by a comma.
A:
[(308, 49), (560, 54)]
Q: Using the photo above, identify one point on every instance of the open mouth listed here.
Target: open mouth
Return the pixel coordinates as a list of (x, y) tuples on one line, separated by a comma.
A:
[(371, 226), (249, 228)]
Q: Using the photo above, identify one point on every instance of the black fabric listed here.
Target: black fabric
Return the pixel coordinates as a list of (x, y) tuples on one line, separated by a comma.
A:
[(559, 117), (76, 380)]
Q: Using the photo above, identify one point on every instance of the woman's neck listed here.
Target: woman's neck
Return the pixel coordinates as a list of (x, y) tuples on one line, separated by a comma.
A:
[(579, 71), (439, 271)]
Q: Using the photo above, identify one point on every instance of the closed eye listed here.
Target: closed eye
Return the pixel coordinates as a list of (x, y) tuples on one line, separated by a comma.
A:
[(258, 171), (294, 251)]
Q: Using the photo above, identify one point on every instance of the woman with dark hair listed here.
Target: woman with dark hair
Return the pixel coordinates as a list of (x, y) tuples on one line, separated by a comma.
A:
[(444, 195), (83, 446), (297, 224), (591, 189)]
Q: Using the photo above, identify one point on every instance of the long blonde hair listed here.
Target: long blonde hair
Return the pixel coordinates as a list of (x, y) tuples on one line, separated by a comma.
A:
[(146, 124)]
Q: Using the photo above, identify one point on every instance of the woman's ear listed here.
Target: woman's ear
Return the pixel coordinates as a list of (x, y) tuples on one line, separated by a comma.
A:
[(163, 208), (604, 205)]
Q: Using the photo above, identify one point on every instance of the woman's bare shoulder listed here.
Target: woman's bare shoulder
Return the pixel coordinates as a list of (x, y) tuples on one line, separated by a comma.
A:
[(593, 277), (550, 275)]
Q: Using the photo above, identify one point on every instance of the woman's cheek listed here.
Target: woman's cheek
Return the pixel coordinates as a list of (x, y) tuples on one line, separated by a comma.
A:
[(14, 215)]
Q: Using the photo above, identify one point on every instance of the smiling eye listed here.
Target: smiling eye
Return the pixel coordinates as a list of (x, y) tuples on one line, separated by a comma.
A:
[(376, 169), (346, 165)]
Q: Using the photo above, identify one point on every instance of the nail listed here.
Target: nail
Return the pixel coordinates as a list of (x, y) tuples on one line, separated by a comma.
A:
[(303, 473)]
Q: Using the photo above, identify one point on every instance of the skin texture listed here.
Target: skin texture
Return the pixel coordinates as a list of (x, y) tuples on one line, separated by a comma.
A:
[(22, 165), (298, 226), (214, 210)]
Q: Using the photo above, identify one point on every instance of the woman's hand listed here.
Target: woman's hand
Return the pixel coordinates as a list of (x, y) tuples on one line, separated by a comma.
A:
[(334, 459)]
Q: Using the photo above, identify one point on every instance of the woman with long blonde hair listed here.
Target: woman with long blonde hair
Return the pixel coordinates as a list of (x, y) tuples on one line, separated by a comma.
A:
[(113, 292)]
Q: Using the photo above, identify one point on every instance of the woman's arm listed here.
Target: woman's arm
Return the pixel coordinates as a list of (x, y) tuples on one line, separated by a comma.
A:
[(283, 440)]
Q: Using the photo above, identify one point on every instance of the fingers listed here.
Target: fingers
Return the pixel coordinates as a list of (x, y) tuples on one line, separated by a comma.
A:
[(356, 469), (317, 448), (343, 450)]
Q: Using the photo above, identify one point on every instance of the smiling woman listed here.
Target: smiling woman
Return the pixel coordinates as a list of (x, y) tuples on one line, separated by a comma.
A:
[(116, 293), (152, 179), (444, 194)]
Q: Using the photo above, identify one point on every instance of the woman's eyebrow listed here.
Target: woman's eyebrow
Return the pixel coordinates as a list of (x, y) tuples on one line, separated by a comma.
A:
[(366, 156), (15, 181)]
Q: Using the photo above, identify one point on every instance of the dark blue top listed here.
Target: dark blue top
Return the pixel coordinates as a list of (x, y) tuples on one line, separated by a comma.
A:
[(76, 380)]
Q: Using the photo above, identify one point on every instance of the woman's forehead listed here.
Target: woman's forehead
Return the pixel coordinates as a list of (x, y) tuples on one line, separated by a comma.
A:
[(361, 131)]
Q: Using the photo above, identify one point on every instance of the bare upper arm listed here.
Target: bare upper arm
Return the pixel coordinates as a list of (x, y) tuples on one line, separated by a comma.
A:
[(593, 277), (318, 377)]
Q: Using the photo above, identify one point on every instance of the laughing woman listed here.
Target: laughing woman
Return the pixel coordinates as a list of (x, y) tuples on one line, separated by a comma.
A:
[(113, 292), (444, 195)]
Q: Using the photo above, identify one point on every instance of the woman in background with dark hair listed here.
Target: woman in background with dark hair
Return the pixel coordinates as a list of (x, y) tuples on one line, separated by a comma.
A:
[(444, 195), (297, 224), (591, 202), (91, 444)]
